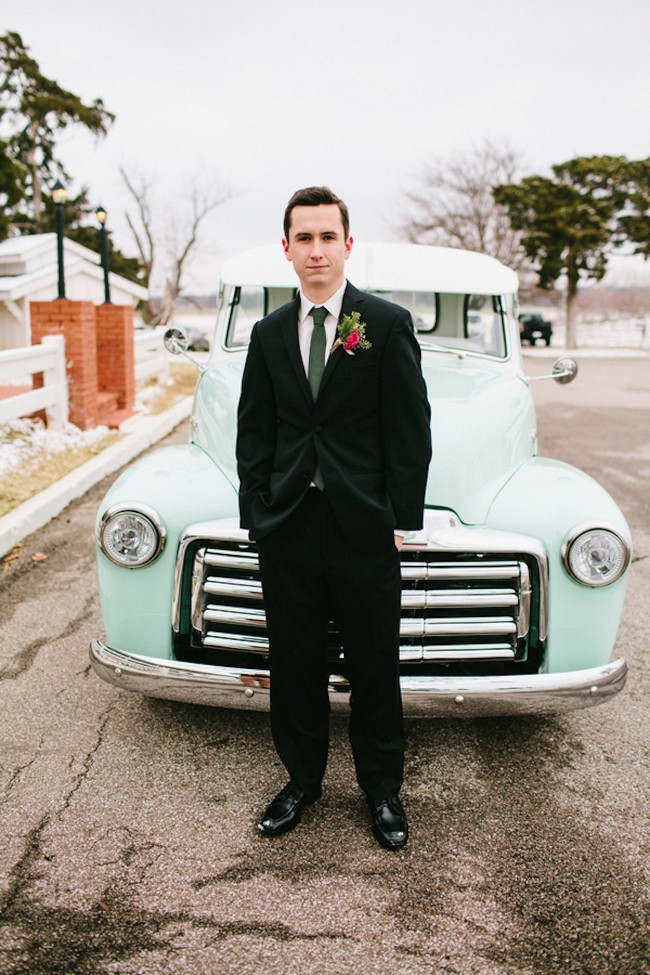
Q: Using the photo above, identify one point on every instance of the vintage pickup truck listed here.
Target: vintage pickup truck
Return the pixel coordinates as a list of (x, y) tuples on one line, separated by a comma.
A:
[(512, 592)]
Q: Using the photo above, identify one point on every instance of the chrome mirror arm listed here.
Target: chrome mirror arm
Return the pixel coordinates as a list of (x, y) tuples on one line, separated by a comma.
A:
[(564, 371), (176, 342)]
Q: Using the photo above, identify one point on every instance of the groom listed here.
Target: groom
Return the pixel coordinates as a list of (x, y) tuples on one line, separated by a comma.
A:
[(333, 450)]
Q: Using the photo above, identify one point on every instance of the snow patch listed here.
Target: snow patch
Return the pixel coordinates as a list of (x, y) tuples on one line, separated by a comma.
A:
[(146, 396), (25, 441)]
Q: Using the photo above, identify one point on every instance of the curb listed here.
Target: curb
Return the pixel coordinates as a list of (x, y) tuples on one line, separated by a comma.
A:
[(140, 433)]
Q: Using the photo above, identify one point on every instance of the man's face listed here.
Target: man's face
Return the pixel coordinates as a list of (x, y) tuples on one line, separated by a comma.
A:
[(318, 249)]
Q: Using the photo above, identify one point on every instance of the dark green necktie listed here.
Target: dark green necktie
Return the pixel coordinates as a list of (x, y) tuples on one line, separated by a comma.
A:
[(316, 368), (317, 351)]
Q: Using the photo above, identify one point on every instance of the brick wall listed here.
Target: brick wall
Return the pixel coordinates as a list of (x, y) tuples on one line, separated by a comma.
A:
[(115, 354), (99, 356), (75, 320)]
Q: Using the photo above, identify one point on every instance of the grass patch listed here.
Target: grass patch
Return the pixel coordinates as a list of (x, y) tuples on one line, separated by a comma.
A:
[(46, 460), (37, 473), (182, 380)]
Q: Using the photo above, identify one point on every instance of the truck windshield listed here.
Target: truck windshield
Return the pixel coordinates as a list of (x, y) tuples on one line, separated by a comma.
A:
[(471, 323)]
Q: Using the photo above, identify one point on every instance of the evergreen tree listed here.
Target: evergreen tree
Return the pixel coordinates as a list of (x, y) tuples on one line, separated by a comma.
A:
[(12, 187), (38, 110), (569, 222), (635, 220), (34, 111)]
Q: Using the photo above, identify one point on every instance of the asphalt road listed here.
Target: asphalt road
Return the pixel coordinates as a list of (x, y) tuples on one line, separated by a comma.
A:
[(128, 841)]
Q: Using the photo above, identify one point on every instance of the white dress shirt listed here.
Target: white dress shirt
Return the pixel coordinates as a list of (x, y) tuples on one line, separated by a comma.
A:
[(306, 323)]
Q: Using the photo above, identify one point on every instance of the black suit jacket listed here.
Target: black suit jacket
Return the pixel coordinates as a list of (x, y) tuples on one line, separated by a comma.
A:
[(369, 427)]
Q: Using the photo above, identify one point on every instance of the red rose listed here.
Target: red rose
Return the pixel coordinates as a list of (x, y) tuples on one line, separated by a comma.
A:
[(352, 340)]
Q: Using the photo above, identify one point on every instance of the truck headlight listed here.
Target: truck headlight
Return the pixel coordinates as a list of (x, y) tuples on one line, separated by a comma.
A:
[(595, 556), (131, 535)]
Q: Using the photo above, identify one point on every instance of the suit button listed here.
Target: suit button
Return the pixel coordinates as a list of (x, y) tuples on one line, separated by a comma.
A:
[(318, 429)]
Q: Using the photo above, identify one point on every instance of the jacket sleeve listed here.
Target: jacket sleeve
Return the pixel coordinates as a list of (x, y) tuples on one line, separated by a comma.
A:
[(256, 429), (406, 424)]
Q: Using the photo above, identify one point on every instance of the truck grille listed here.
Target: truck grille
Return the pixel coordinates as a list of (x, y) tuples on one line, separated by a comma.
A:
[(463, 606)]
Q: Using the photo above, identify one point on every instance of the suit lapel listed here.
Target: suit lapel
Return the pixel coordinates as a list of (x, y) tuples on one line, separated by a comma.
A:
[(352, 301), (289, 327)]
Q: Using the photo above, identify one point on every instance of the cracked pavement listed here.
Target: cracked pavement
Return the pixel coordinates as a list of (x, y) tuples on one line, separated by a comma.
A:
[(128, 839)]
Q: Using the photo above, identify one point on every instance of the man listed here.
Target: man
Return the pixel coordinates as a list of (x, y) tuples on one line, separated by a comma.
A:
[(333, 450)]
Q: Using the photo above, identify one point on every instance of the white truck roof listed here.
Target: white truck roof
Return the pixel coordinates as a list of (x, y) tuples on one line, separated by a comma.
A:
[(384, 267)]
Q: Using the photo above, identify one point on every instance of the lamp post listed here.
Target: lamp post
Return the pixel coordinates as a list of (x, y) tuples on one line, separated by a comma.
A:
[(101, 215), (59, 195)]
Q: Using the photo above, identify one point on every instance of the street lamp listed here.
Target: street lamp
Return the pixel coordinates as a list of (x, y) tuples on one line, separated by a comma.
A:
[(59, 195), (101, 215)]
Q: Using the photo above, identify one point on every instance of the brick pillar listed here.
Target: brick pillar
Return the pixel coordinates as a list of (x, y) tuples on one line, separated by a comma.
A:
[(115, 353), (75, 320)]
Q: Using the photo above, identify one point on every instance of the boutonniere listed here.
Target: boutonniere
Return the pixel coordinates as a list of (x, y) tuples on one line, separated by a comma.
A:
[(351, 334)]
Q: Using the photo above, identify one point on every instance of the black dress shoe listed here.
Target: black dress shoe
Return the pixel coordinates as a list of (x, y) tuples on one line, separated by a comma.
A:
[(389, 823), (285, 810)]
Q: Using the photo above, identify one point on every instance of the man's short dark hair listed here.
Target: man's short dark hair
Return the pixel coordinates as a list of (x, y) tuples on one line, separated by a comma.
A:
[(314, 196)]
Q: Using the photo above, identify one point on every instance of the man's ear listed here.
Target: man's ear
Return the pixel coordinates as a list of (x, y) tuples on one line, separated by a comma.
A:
[(285, 248), (348, 247)]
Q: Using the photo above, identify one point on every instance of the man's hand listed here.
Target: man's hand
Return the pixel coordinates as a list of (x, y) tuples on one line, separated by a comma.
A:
[(399, 541)]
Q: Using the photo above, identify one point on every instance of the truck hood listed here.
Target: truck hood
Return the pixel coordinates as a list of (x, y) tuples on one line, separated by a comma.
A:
[(483, 428), (482, 423)]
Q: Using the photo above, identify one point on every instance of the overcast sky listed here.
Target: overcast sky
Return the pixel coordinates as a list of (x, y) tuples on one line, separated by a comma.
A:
[(261, 97)]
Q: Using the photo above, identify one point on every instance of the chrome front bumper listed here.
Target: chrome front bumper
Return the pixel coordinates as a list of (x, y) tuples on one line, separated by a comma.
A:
[(231, 687)]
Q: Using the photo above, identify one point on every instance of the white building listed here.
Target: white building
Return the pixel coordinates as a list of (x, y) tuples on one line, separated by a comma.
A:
[(29, 272)]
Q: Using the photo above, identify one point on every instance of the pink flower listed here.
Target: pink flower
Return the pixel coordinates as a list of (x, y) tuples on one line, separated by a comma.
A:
[(351, 334)]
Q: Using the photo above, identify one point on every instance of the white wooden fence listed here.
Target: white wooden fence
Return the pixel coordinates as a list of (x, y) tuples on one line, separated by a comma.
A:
[(604, 333), (151, 357), (17, 367)]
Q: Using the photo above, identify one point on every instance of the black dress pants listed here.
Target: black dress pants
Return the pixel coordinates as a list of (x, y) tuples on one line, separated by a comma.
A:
[(310, 574)]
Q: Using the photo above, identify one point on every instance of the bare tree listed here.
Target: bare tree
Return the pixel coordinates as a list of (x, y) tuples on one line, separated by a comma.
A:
[(453, 205), (142, 229), (180, 236)]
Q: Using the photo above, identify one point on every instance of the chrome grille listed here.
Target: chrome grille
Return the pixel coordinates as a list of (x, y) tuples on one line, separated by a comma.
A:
[(456, 606)]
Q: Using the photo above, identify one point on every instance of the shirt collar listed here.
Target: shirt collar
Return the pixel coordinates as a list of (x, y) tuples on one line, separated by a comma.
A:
[(333, 304)]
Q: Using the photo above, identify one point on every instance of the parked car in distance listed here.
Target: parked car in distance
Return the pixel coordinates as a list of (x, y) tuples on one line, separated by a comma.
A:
[(512, 591), (198, 340), (533, 327)]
